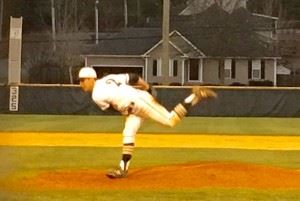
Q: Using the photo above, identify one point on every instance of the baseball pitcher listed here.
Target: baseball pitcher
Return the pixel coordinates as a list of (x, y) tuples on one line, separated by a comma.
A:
[(128, 94)]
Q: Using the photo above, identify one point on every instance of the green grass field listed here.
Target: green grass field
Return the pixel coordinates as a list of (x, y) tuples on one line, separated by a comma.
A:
[(114, 124), (25, 161), (165, 195), (20, 162)]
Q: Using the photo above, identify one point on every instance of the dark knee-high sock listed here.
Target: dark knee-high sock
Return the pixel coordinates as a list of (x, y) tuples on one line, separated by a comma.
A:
[(126, 156)]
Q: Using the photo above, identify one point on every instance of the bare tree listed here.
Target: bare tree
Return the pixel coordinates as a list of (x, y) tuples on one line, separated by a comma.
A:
[(68, 52), (69, 21), (270, 6), (138, 8), (68, 16), (75, 10)]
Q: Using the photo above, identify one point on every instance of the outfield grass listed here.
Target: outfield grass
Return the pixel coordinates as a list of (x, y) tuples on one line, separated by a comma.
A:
[(114, 124)]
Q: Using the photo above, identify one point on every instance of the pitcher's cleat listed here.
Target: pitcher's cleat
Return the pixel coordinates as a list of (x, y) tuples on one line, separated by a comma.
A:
[(116, 173), (202, 93)]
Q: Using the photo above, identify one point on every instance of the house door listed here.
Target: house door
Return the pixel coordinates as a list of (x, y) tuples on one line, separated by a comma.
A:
[(194, 70)]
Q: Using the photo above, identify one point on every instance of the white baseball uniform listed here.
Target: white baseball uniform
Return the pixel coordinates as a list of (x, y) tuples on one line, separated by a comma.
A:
[(114, 90)]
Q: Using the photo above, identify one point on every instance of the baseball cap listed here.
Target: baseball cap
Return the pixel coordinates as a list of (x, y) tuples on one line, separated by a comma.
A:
[(87, 72)]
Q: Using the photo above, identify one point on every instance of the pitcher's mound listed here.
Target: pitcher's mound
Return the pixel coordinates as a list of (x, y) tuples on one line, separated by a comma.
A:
[(210, 174)]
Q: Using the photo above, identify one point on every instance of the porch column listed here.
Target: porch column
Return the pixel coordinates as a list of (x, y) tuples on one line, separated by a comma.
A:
[(275, 73), (201, 70), (182, 71), (146, 69)]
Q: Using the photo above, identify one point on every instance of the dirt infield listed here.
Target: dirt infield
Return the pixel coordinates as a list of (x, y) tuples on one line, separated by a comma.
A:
[(184, 176), (200, 175)]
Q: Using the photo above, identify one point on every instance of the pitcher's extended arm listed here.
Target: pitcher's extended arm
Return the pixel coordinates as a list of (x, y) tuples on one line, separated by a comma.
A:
[(138, 82)]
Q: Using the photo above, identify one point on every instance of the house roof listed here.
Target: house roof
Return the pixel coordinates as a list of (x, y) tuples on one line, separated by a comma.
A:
[(290, 24), (198, 6), (131, 41), (183, 45), (218, 33), (282, 70)]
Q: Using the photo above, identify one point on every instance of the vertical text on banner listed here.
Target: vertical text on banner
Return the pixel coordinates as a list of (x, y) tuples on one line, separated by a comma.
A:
[(14, 98)]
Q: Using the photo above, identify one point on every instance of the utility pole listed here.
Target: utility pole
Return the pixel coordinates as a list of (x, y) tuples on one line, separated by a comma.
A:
[(165, 42), (125, 14), (138, 10), (1, 18), (76, 16), (53, 25), (97, 21)]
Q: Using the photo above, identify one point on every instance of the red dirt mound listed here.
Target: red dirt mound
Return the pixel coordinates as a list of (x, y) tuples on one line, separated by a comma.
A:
[(228, 175)]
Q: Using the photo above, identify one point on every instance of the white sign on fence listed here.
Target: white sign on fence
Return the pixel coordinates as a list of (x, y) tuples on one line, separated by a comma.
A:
[(14, 98)]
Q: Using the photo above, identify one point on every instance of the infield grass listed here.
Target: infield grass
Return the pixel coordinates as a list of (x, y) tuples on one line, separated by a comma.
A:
[(164, 195), (23, 159), (25, 162)]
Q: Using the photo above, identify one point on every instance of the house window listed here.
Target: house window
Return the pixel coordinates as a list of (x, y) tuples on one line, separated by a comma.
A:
[(249, 69), (255, 74), (156, 67), (274, 28), (221, 68), (233, 68), (256, 69), (194, 70), (229, 68), (263, 68), (173, 72)]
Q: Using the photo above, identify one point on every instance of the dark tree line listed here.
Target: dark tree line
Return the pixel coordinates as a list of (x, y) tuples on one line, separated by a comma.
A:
[(79, 14)]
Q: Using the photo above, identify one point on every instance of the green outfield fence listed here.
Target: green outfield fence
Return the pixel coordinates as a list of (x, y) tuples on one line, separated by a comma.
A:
[(231, 101)]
